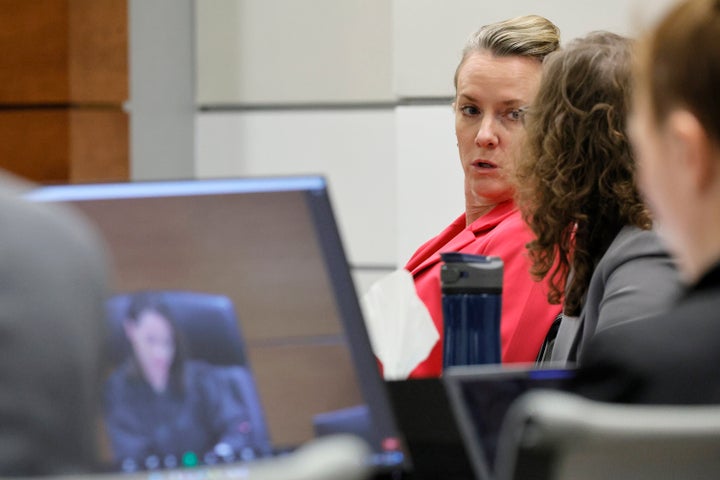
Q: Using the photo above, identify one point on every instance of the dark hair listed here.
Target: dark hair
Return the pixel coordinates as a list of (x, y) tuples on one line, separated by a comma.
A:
[(679, 63), (150, 301), (576, 178)]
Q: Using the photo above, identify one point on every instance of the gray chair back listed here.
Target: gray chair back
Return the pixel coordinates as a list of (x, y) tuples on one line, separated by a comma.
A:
[(561, 436)]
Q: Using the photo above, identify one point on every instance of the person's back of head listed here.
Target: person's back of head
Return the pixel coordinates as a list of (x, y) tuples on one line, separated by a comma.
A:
[(674, 128), (679, 63), (575, 179), (526, 36), (676, 131), (53, 278)]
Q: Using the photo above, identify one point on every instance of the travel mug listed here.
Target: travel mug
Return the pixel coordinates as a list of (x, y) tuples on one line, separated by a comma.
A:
[(471, 300)]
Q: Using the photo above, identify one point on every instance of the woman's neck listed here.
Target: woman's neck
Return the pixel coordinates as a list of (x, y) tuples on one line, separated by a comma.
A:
[(158, 384), (474, 212)]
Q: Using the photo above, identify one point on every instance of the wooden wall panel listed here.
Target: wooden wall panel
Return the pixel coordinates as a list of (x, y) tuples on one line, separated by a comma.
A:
[(34, 42), (34, 143), (98, 60), (98, 145), (57, 145), (63, 82)]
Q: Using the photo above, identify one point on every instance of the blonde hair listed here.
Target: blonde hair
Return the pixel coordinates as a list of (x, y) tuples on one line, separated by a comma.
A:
[(527, 36)]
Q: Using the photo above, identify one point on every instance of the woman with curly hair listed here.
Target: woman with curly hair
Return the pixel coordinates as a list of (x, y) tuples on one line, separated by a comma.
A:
[(576, 188)]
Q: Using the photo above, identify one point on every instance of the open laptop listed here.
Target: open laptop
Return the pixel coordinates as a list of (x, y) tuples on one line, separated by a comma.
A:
[(269, 250), (451, 424), (480, 396)]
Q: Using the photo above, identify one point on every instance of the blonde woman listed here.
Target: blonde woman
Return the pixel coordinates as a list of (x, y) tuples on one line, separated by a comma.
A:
[(495, 81)]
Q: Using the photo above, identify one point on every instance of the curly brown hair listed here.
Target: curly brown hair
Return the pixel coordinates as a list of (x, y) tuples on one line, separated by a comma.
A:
[(576, 178)]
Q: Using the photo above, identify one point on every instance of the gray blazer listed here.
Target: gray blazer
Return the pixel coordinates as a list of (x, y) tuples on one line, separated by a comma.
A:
[(53, 281), (635, 279)]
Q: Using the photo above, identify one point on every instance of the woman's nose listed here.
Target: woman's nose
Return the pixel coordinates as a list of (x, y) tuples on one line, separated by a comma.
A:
[(486, 136)]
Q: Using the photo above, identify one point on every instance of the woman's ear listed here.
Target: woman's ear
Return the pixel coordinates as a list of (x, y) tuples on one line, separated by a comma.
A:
[(692, 148)]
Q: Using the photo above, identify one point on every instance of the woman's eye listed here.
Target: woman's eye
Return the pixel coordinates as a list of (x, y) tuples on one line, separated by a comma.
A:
[(516, 114), (469, 111)]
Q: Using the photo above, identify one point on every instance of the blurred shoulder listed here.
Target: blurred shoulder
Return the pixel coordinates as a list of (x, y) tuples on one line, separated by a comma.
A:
[(632, 240)]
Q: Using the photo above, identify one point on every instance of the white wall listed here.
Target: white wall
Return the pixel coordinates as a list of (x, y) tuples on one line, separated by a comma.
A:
[(430, 181), (272, 52), (358, 90), (429, 34)]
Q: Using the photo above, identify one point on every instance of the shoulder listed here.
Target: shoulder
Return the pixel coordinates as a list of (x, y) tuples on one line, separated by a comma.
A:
[(119, 384), (204, 372), (637, 268), (632, 241), (201, 377), (218, 381), (635, 279), (641, 249), (199, 369)]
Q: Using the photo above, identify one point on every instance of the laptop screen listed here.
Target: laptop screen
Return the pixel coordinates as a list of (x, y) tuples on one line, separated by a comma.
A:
[(234, 327), (480, 396)]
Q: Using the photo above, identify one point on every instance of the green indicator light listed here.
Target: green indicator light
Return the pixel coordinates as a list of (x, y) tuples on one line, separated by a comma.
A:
[(189, 459)]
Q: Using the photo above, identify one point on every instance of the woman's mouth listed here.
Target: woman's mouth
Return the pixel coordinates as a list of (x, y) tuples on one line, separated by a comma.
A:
[(483, 164)]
